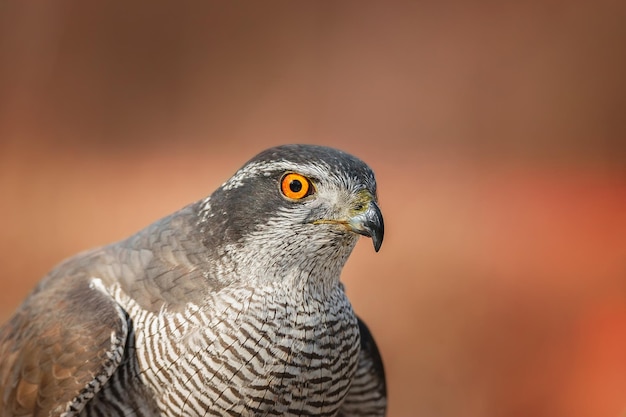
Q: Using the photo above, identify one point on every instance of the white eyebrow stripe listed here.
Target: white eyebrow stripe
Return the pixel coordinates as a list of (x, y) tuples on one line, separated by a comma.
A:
[(256, 168)]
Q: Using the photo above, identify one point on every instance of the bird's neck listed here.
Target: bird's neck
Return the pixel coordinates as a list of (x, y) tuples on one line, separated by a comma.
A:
[(317, 274)]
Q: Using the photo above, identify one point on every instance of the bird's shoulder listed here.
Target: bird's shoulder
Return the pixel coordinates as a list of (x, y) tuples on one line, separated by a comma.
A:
[(68, 337)]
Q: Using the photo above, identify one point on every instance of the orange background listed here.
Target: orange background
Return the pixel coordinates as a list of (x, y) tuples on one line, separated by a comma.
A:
[(497, 132)]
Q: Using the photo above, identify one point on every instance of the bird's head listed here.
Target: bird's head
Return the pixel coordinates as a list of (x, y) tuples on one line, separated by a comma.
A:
[(293, 208)]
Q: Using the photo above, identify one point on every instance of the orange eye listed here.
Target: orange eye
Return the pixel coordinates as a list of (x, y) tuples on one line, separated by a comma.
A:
[(295, 186)]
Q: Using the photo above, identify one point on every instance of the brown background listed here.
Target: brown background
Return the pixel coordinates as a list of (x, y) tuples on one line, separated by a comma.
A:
[(496, 129)]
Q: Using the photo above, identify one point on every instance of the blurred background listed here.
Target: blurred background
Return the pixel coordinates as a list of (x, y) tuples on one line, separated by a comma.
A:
[(497, 131)]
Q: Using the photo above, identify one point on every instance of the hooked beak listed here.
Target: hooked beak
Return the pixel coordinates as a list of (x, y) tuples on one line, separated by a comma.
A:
[(369, 223)]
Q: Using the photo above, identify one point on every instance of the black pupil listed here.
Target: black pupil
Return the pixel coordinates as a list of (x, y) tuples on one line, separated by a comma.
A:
[(295, 186)]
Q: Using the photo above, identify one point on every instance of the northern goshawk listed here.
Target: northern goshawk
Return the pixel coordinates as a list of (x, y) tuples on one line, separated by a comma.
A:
[(230, 306)]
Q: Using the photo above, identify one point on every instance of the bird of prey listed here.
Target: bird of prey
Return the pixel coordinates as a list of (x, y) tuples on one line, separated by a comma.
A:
[(231, 306)]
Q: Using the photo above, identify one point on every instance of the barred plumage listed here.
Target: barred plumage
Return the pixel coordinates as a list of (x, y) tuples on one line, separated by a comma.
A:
[(231, 306)]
